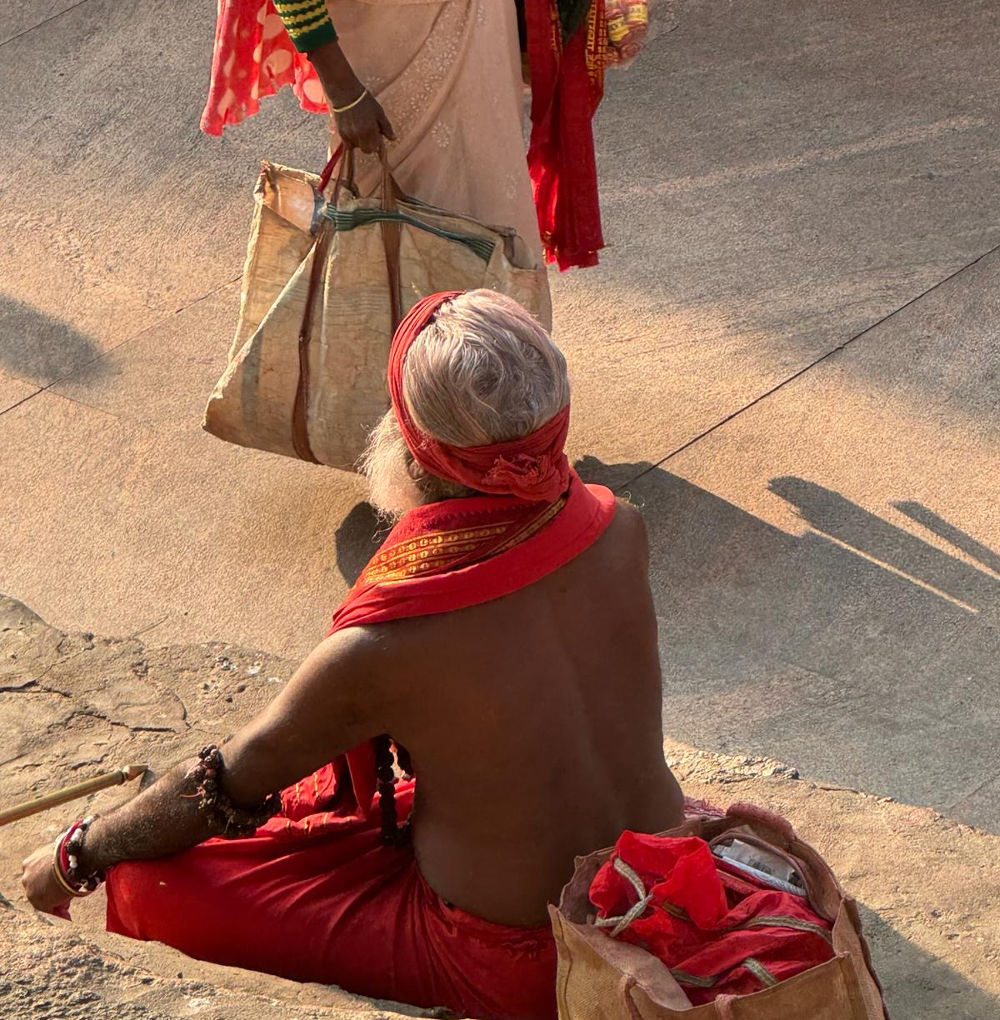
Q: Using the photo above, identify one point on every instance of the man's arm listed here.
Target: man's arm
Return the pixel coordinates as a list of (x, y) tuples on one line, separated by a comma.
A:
[(333, 702)]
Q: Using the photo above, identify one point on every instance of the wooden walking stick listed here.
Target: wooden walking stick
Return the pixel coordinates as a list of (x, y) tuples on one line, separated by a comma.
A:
[(68, 793)]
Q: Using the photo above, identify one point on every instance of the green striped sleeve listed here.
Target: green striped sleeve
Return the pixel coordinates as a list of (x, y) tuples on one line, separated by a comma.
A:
[(308, 23)]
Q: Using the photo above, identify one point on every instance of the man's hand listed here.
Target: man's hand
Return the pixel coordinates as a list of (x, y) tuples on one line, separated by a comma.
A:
[(40, 884), (365, 125)]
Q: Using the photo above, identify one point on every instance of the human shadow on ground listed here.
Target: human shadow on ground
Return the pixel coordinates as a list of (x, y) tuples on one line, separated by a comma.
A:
[(39, 347), (855, 651), (831, 514), (958, 538)]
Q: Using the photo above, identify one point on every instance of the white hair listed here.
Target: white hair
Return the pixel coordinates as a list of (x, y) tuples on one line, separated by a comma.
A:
[(483, 371)]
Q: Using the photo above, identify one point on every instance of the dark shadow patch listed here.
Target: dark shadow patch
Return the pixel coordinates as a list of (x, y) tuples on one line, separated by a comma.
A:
[(358, 539), (41, 348), (614, 476)]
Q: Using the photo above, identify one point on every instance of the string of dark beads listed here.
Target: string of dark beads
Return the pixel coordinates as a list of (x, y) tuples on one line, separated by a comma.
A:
[(393, 834), (234, 821)]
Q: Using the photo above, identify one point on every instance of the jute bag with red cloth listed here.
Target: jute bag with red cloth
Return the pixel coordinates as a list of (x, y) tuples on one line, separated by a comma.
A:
[(325, 284), (604, 978)]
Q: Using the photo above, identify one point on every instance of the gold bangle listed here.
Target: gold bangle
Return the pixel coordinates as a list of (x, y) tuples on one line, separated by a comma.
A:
[(350, 106), (61, 878)]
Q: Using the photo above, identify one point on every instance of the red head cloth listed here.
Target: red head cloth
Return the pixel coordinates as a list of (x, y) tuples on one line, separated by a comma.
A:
[(533, 468)]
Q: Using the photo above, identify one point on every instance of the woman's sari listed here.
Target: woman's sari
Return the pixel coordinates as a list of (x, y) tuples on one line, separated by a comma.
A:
[(448, 74)]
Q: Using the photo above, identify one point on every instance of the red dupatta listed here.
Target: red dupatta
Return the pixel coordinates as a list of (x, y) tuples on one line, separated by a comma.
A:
[(567, 83)]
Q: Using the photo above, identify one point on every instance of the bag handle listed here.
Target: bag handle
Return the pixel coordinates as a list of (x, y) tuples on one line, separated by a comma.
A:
[(300, 409), (391, 239), (343, 157), (625, 987), (390, 193)]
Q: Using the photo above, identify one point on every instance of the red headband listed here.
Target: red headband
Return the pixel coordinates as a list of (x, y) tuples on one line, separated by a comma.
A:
[(533, 468)]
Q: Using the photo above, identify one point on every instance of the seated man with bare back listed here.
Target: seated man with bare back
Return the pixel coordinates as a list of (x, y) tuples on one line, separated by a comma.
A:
[(485, 707)]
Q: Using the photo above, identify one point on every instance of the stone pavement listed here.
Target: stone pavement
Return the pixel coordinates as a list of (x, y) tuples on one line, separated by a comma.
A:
[(787, 357), (72, 703)]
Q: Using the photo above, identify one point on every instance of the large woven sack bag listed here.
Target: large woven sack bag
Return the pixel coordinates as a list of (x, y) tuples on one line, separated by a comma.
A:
[(324, 285), (603, 978)]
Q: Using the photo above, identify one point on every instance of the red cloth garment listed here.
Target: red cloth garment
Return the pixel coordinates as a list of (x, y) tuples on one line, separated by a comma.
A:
[(532, 468), (567, 84), (315, 894), (254, 57), (719, 930), (323, 899)]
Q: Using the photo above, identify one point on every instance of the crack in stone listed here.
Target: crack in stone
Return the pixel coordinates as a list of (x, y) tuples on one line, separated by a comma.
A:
[(27, 686), (93, 713)]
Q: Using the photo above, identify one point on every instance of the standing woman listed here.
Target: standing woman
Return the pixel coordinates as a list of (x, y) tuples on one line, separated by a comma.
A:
[(441, 80)]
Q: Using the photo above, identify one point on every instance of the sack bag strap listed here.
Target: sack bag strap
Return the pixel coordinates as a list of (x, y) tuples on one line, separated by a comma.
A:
[(300, 409), (390, 193), (342, 161), (345, 176), (391, 239)]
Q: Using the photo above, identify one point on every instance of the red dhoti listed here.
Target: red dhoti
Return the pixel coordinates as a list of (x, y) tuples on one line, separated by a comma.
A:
[(323, 899)]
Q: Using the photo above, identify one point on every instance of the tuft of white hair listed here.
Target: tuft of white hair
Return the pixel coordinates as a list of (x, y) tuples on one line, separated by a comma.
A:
[(483, 371)]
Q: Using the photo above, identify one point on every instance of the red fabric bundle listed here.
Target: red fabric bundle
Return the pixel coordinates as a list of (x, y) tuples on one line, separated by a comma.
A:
[(718, 932)]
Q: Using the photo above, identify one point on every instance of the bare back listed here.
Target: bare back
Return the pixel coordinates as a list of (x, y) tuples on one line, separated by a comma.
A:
[(534, 726)]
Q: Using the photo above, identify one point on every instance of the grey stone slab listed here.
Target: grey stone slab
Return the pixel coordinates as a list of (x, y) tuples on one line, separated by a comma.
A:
[(21, 16), (13, 390), (115, 211), (825, 564), (121, 515), (775, 178)]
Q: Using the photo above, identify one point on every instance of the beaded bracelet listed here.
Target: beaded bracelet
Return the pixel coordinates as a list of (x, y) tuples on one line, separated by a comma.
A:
[(66, 863), (235, 822)]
